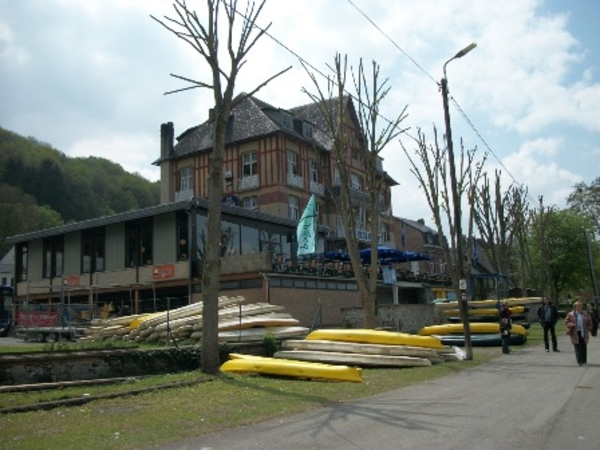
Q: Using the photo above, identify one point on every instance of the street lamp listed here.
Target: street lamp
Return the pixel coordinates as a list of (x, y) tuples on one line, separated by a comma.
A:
[(464, 313)]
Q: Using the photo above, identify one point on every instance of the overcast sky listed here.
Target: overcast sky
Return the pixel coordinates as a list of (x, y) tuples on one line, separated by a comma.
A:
[(88, 77)]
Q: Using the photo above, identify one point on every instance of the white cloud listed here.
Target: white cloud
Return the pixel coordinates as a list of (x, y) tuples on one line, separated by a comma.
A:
[(89, 77)]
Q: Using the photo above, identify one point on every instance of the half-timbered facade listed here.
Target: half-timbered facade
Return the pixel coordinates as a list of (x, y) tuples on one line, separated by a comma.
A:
[(275, 160)]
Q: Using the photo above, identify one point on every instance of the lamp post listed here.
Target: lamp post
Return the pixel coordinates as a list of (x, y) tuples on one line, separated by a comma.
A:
[(464, 314)]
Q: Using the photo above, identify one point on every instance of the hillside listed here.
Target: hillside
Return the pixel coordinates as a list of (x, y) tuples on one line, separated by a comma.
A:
[(41, 187)]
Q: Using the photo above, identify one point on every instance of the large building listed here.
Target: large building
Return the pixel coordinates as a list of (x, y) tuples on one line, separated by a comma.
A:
[(275, 159), (146, 260)]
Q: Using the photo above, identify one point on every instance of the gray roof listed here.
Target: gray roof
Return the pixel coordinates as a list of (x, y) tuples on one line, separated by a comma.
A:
[(153, 211), (250, 119), (418, 225)]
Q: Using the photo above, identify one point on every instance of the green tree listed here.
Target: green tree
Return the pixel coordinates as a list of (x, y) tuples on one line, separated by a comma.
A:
[(586, 200), (559, 250)]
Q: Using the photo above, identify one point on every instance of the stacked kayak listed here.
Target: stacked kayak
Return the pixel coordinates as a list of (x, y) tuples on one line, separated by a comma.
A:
[(483, 334)]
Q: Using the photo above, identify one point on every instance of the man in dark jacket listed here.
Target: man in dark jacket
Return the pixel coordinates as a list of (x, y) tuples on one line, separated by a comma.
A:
[(548, 316)]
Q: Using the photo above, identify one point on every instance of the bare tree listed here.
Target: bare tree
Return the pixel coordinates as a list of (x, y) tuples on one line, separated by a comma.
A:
[(434, 180), (203, 35), (497, 216), (333, 104)]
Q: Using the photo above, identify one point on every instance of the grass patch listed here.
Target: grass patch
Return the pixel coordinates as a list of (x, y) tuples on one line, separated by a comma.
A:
[(164, 415), (170, 414)]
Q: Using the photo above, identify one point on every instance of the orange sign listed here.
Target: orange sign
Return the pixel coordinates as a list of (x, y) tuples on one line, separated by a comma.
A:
[(71, 281), (166, 271)]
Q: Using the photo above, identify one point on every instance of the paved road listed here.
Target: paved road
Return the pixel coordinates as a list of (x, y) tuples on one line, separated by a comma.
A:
[(528, 400)]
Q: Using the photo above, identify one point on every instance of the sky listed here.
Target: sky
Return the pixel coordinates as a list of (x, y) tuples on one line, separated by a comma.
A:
[(89, 78)]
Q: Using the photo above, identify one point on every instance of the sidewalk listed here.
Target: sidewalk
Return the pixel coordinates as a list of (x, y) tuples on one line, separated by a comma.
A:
[(528, 400)]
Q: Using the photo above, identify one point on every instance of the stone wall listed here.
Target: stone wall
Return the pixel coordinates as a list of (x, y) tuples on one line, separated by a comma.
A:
[(404, 318), (51, 367)]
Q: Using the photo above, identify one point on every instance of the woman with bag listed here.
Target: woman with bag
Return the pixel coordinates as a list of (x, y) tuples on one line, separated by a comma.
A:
[(579, 325)]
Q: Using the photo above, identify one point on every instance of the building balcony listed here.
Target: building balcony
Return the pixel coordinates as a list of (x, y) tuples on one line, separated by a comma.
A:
[(248, 182), (356, 196), (295, 180), (317, 188), (184, 195)]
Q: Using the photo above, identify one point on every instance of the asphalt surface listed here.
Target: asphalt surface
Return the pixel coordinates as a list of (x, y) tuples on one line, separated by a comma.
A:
[(528, 400)]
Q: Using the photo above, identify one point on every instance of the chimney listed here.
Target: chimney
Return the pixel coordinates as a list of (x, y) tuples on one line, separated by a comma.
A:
[(211, 115), (167, 136)]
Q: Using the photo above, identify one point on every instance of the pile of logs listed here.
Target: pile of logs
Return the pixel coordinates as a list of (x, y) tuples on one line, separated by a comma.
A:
[(237, 322)]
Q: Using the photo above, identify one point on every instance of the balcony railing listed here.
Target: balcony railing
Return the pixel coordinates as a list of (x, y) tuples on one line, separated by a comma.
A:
[(248, 182), (184, 195), (316, 188), (295, 180)]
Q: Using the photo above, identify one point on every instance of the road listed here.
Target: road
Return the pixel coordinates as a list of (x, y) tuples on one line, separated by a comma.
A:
[(528, 400)]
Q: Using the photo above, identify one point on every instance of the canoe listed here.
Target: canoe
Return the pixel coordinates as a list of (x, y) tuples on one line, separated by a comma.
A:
[(290, 368), (515, 301), (368, 336), (353, 358), (473, 319), (257, 334), (484, 311), (357, 347), (482, 340), (475, 327)]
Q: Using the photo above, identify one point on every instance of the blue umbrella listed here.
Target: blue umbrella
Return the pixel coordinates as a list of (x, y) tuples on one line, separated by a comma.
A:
[(383, 253), (388, 255)]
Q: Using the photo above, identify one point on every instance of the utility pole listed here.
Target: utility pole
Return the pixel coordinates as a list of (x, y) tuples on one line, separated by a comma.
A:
[(461, 291)]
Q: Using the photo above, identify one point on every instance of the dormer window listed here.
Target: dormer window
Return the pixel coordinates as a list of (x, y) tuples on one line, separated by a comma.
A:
[(286, 120), (307, 130)]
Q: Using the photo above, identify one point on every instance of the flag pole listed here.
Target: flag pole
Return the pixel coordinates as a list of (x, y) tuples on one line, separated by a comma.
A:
[(306, 235)]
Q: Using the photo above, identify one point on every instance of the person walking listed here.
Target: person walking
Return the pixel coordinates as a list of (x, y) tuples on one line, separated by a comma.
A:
[(505, 326), (548, 316), (579, 324)]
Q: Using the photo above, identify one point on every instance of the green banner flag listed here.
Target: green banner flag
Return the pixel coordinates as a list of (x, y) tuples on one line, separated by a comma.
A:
[(306, 233)]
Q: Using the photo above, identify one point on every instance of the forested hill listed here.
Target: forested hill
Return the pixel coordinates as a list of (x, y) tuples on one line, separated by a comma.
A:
[(41, 187)]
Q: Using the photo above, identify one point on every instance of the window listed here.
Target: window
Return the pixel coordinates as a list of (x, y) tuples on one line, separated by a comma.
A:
[(230, 239), (250, 203), (356, 182), (138, 242), (249, 164), (22, 261), (186, 179), (182, 236), (292, 163), (384, 230), (336, 176), (286, 120), (270, 242), (249, 239), (307, 130), (294, 207), (93, 250), (313, 167), (360, 219), (53, 256), (442, 266)]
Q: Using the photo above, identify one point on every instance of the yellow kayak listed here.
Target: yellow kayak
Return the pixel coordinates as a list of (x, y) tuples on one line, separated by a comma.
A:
[(514, 301), (484, 311), (475, 327), (290, 368), (375, 337)]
